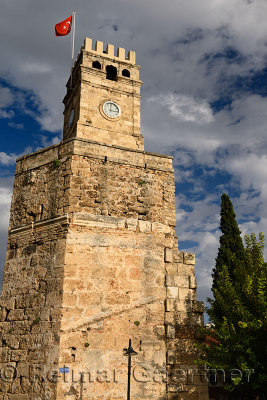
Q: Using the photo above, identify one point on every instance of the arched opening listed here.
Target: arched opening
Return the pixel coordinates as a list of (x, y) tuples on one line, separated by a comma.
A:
[(111, 72), (96, 64), (126, 73)]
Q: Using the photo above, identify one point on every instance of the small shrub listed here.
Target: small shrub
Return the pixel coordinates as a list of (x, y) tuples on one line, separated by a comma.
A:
[(36, 321), (56, 163)]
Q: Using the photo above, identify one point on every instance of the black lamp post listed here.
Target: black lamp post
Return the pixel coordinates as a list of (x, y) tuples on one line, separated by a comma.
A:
[(129, 353)]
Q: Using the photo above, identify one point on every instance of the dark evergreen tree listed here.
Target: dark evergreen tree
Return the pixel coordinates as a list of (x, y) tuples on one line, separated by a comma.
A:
[(231, 250), (238, 333), (238, 311)]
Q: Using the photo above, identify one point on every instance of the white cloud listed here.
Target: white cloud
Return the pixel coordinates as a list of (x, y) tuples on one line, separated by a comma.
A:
[(45, 142), (185, 108), (35, 68), (7, 159), (16, 125), (156, 32), (251, 169), (6, 100), (7, 114), (6, 97), (5, 197)]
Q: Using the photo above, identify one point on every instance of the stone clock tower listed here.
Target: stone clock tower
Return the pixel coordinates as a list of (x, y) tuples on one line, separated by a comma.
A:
[(92, 256), (103, 98)]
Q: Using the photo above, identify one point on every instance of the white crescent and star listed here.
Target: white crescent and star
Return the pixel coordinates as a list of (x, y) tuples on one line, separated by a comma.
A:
[(64, 27)]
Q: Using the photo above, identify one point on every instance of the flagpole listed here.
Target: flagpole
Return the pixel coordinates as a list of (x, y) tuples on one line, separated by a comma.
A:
[(72, 46)]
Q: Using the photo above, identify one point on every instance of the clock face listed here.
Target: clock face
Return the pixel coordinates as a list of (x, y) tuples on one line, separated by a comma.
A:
[(111, 109)]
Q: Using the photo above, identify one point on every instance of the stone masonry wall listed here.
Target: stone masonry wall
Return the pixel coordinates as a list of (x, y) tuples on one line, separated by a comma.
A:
[(30, 311), (93, 260)]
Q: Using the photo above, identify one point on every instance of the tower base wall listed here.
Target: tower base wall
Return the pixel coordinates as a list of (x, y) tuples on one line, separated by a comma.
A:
[(92, 261)]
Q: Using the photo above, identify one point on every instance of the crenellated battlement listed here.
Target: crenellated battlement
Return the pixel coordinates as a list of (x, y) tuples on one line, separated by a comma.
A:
[(109, 52)]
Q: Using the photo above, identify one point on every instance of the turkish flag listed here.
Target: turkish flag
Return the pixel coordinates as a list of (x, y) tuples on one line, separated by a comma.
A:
[(63, 28)]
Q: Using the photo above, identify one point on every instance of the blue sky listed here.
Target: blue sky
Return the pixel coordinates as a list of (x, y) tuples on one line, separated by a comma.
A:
[(204, 99)]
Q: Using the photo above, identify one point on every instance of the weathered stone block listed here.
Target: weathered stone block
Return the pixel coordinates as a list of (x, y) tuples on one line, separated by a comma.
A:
[(115, 298), (159, 330), (23, 369), (192, 282), (171, 357), (176, 280), (18, 355), (131, 224), (185, 294), (88, 299), (198, 306), (3, 354), (170, 331), (169, 317), (180, 257), (170, 305), (171, 269), (144, 226), (168, 255), (196, 319), (158, 227), (172, 292), (16, 315), (12, 341), (3, 313), (189, 258)]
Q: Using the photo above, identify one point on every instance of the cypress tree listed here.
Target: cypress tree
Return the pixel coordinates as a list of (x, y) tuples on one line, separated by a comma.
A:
[(231, 250), (238, 312), (239, 329)]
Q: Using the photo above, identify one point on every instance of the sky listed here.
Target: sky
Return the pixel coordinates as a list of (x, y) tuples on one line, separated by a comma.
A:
[(204, 100)]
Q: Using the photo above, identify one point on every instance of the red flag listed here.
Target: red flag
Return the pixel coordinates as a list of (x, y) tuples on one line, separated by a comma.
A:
[(63, 28)]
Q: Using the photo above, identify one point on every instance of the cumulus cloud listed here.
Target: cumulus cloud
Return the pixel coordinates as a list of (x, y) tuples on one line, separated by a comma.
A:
[(35, 68), (6, 100), (5, 197), (179, 45), (16, 125), (7, 159), (185, 108), (6, 97), (7, 114)]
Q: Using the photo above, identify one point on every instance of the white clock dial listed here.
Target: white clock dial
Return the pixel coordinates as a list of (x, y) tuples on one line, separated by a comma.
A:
[(111, 109)]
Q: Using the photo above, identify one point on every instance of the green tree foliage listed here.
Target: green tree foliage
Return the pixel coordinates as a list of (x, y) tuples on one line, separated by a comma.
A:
[(240, 328), (231, 248)]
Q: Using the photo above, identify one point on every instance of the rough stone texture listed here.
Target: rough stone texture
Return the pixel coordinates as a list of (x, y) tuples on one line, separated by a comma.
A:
[(92, 260), (30, 303)]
